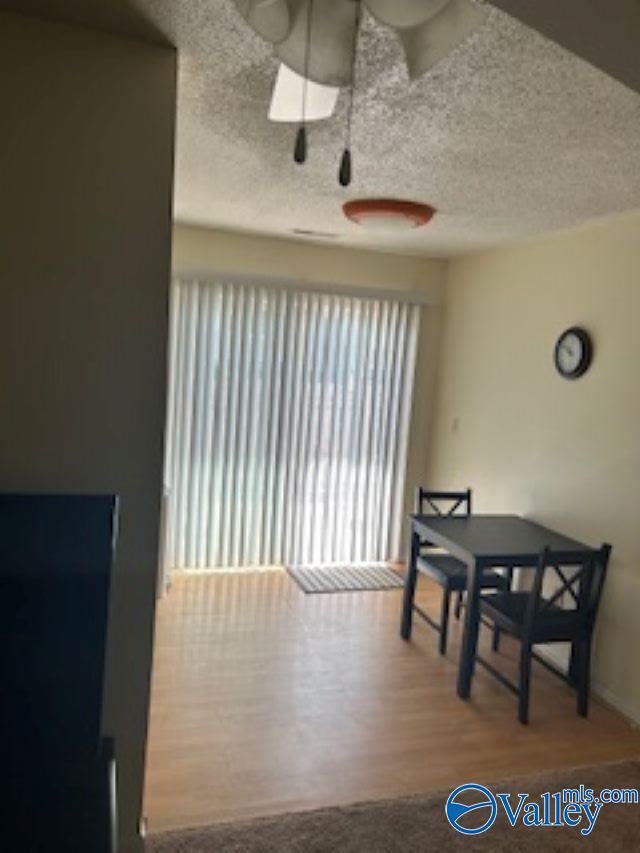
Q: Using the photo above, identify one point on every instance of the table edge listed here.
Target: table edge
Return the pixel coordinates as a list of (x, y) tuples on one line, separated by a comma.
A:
[(494, 559)]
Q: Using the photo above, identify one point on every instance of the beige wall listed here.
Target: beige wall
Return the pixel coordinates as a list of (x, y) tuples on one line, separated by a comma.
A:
[(203, 250), (207, 251), (86, 164), (564, 453)]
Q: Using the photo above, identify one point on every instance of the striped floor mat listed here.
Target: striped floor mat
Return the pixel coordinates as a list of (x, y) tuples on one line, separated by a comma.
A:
[(370, 576)]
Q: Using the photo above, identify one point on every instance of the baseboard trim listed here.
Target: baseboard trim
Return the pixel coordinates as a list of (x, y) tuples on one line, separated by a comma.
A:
[(631, 715), (606, 696)]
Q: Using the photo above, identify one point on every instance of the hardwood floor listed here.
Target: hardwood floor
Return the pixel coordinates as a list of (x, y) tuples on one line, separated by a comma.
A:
[(267, 700)]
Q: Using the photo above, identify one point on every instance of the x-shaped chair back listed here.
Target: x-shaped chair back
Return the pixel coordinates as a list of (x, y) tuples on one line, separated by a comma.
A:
[(581, 578), (442, 503)]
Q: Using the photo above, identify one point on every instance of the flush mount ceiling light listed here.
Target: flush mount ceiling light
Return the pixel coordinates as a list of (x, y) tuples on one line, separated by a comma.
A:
[(387, 214), (316, 42)]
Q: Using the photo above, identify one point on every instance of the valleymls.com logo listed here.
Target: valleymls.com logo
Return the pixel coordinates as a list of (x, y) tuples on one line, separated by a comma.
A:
[(472, 809)]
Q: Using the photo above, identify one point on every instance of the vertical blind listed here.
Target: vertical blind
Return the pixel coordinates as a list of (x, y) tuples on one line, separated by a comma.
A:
[(287, 425)]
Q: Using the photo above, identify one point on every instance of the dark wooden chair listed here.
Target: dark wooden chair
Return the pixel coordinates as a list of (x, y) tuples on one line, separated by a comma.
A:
[(533, 620), (447, 571)]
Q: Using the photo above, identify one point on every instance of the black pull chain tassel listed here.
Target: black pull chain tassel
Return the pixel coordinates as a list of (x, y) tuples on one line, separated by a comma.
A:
[(344, 175), (300, 151)]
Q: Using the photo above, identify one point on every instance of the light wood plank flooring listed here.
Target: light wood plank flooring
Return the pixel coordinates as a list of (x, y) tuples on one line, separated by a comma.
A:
[(267, 700)]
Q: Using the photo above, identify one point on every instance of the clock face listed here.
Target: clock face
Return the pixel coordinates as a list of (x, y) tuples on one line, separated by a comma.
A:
[(573, 353)]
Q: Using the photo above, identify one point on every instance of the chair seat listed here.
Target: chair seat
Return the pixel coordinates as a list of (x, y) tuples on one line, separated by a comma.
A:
[(452, 573), (508, 609)]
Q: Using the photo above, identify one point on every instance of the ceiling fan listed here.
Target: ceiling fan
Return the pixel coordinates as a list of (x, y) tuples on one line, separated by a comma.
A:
[(314, 39), (316, 42)]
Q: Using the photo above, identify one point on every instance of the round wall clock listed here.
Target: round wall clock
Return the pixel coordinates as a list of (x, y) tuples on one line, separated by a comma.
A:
[(573, 353)]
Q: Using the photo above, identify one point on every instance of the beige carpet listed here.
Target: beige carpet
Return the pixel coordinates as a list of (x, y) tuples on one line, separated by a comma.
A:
[(419, 825)]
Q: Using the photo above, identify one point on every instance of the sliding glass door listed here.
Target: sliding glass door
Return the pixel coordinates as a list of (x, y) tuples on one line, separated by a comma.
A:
[(287, 426)]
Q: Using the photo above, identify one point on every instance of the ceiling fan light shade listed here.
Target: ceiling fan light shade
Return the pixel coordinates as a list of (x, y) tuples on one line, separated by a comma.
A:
[(405, 13), (426, 45), (428, 29), (331, 41), (288, 94), (271, 19), (386, 214)]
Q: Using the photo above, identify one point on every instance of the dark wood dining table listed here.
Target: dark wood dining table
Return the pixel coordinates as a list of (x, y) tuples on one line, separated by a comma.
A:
[(485, 542)]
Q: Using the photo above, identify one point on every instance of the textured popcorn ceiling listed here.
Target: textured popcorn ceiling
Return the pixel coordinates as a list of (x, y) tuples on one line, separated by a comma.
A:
[(509, 136)]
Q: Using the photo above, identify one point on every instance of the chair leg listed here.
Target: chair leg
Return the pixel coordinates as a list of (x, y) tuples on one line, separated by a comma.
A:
[(573, 673), (458, 603), (444, 620), (407, 606), (525, 681), (583, 668), (495, 642)]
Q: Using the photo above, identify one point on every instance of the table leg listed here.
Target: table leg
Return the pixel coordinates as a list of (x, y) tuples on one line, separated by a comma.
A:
[(410, 587), (471, 627)]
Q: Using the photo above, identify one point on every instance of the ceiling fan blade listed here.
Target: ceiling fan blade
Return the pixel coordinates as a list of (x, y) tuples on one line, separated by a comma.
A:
[(269, 18), (404, 13), (331, 44), (427, 44), (286, 101)]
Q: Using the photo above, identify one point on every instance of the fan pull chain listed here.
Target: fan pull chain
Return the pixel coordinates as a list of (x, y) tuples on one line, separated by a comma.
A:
[(300, 150), (345, 172)]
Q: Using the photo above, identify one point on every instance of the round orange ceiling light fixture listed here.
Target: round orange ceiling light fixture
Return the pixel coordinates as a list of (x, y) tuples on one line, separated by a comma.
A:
[(387, 214)]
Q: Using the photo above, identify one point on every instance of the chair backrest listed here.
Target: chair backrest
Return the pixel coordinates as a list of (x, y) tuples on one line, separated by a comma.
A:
[(581, 578), (428, 502)]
